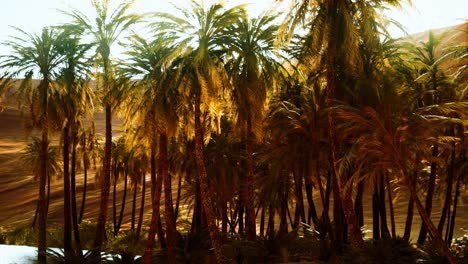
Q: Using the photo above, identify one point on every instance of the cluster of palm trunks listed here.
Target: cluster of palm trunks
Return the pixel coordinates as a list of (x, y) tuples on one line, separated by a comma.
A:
[(247, 117)]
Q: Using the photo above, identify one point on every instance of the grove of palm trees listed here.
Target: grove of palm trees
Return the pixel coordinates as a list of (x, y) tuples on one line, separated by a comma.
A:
[(212, 136)]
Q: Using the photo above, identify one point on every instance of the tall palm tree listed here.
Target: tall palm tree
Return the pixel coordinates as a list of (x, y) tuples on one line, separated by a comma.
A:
[(37, 56), (250, 43), (158, 98), (72, 102), (431, 81), (197, 37), (105, 29)]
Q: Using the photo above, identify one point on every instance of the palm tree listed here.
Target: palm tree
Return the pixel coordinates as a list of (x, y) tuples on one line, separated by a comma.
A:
[(31, 160), (71, 102), (250, 43), (37, 55), (105, 28), (197, 37), (430, 82), (158, 98)]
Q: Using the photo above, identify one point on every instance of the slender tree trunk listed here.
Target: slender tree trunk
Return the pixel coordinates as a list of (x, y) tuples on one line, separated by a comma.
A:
[(300, 197), (142, 206), (74, 215), (85, 179), (430, 194), (135, 190), (67, 230), (114, 203), (206, 198), (105, 183), (409, 214), (85, 187), (454, 213), (283, 226), (390, 204), (338, 218), (124, 201), (153, 166), (48, 194), (344, 195), (240, 214), (156, 199), (179, 195), (250, 202), (196, 226), (271, 223), (224, 222), (224, 206), (168, 207), (358, 204), (448, 192), (455, 202), (262, 222), (383, 210), (375, 213), (42, 243), (326, 205)]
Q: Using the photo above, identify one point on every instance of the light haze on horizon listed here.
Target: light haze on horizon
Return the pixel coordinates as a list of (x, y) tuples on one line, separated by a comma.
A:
[(33, 15)]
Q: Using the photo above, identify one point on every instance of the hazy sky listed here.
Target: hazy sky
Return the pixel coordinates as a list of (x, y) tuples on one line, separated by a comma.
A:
[(32, 15)]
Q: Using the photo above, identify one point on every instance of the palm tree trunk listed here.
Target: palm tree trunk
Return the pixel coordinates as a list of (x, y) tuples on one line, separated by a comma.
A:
[(358, 204), (390, 204), (196, 226), (310, 200), (410, 211), (271, 223), (383, 210), (250, 202), (153, 166), (67, 221), (124, 201), (375, 214), (300, 197), (448, 192), (105, 183), (430, 194), (142, 206), (344, 195), (85, 187), (179, 195), (74, 215), (48, 194), (156, 188), (454, 213), (168, 207), (338, 217), (42, 243), (262, 222), (205, 193), (135, 190), (283, 226), (114, 203), (240, 214)]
